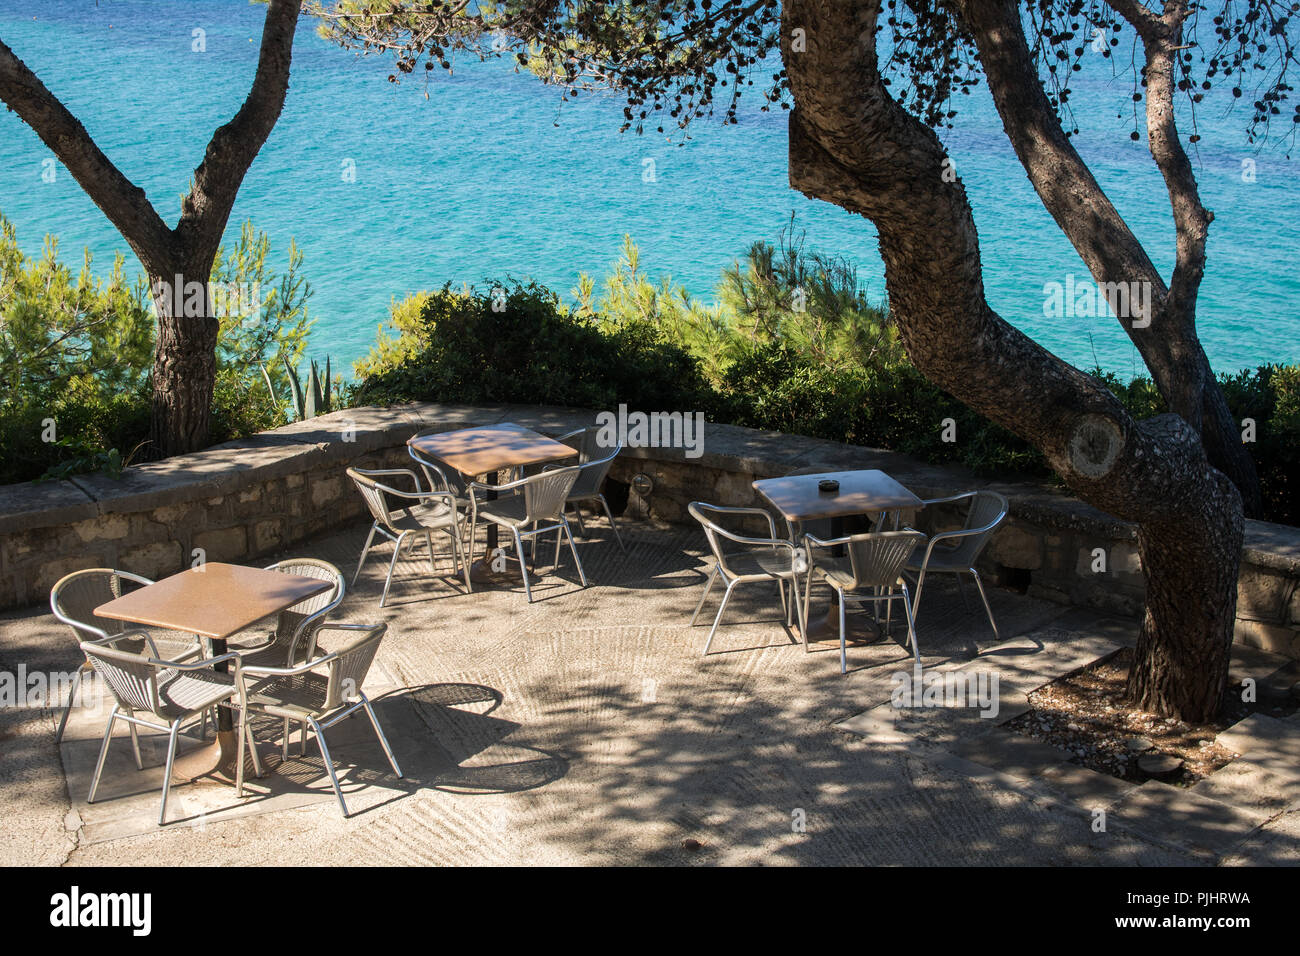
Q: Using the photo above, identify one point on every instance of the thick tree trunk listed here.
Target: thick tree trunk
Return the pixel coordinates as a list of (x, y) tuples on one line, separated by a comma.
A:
[(184, 368), (1180, 666), (853, 145)]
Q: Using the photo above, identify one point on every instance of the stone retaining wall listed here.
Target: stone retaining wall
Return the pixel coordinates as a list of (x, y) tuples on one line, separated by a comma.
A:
[(254, 497)]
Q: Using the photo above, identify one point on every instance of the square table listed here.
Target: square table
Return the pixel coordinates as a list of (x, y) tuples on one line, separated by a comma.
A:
[(797, 498), (485, 451), (214, 600)]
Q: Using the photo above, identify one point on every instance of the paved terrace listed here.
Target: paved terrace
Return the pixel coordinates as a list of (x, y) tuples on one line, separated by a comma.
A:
[(587, 729)]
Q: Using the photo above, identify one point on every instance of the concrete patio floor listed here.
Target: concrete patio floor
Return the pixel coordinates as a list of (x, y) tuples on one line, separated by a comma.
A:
[(587, 729)]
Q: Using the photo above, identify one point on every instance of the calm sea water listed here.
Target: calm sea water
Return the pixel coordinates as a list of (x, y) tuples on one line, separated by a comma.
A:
[(491, 176)]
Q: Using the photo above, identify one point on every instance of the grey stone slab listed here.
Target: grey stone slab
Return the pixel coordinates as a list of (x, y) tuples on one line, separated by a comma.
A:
[(944, 727), (879, 724), (1254, 784), (43, 504), (1275, 546), (1089, 788), (1174, 815), (1264, 737), (1011, 753)]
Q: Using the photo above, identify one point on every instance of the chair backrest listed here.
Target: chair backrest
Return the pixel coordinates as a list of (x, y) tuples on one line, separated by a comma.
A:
[(131, 678), (440, 475), (594, 460), (988, 509), (373, 494), (75, 596), (545, 493), (587, 443), (350, 664), (296, 624), (877, 557)]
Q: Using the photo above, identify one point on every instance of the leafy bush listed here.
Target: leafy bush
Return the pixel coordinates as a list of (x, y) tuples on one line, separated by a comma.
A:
[(517, 343), (76, 353), (793, 345)]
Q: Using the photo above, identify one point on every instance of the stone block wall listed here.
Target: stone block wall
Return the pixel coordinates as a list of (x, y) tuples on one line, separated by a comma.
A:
[(245, 500)]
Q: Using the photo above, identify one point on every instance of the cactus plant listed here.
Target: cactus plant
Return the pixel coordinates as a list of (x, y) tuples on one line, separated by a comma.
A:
[(316, 399)]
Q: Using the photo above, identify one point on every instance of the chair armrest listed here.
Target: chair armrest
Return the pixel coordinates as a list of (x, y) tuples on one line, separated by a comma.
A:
[(511, 485), (204, 664), (942, 536), (396, 471), (738, 510), (926, 502), (307, 666), (742, 539), (815, 542), (111, 639), (418, 495)]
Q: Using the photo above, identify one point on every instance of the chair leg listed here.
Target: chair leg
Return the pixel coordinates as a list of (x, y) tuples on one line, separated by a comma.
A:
[(916, 598), (103, 752), (721, 607), (559, 540), (462, 565), (807, 604), (364, 551), (329, 764), (392, 564), (523, 565), (72, 696), (244, 734), (374, 721), (582, 574), (167, 774), (473, 528), (984, 597), (844, 654), (428, 539), (582, 528), (247, 724), (797, 609), (911, 628), (284, 742), (707, 588), (610, 515), (135, 747)]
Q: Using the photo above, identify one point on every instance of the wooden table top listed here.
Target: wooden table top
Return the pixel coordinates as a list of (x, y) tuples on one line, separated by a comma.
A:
[(480, 451), (215, 600), (797, 497)]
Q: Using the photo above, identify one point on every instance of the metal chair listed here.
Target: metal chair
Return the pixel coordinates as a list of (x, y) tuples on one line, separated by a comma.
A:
[(440, 475), (955, 552), (536, 503), (423, 513), (165, 692), (759, 559), (593, 463), (294, 637), (316, 700), (73, 600), (872, 571)]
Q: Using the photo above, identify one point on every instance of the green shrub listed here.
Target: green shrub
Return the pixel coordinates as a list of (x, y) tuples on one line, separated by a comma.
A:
[(793, 345), (76, 353), (517, 343)]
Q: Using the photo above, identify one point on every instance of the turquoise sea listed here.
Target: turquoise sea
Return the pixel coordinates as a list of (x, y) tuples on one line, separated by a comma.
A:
[(490, 175)]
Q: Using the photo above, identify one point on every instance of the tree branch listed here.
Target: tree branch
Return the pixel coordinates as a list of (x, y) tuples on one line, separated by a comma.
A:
[(122, 201), (233, 147)]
